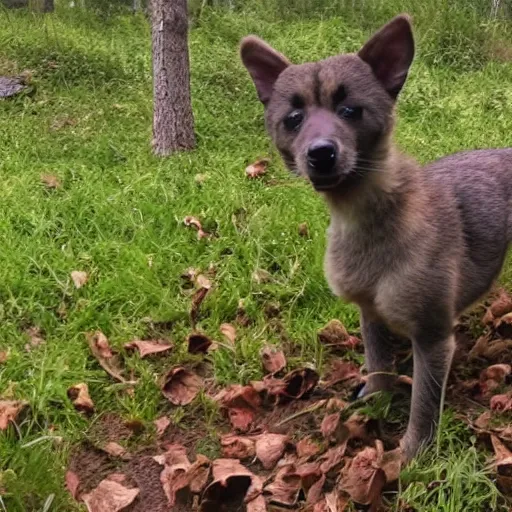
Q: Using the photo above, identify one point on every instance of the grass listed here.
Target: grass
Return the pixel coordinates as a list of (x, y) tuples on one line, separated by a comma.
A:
[(119, 213)]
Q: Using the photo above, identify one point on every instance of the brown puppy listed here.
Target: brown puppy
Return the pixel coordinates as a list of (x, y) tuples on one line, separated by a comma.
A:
[(413, 247)]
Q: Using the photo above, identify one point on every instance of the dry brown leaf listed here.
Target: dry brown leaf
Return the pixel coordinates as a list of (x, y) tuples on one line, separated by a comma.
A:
[(114, 449), (181, 386), (72, 483), (4, 355), (294, 385), (342, 371), (502, 305), (194, 222), (491, 349), (241, 419), (199, 474), (273, 359), (174, 476), (161, 425), (333, 429), (35, 337), (198, 343), (229, 332), (502, 403), (270, 448), (232, 479), (335, 502), (79, 278), (303, 229), (203, 287), (363, 479), (493, 377), (100, 348), (285, 488), (79, 395), (335, 335), (261, 276), (148, 347), (50, 181), (258, 168), (503, 326), (307, 448), (503, 465), (109, 496), (239, 396), (237, 447), (332, 458), (9, 410)]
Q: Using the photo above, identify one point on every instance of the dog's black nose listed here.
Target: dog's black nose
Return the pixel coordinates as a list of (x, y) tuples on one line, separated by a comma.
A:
[(322, 155)]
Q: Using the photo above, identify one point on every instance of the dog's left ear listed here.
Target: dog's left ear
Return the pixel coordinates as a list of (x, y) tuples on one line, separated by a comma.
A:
[(390, 52), (264, 65)]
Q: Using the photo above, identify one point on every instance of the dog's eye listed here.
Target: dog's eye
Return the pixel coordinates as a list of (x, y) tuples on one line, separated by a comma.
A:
[(293, 120), (349, 112)]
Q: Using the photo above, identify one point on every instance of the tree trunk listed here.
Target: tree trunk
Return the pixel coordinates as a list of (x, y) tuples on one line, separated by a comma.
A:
[(41, 5), (173, 121)]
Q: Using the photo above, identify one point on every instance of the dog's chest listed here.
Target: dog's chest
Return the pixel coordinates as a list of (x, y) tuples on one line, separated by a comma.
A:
[(355, 264)]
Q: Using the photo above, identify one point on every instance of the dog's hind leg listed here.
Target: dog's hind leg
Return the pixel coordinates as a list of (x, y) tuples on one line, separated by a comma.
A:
[(432, 361)]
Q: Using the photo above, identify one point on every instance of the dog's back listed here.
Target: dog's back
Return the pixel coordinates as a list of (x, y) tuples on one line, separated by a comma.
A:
[(480, 185)]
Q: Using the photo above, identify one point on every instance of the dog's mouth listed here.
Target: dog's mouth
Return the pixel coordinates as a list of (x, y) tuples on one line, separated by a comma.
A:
[(345, 180)]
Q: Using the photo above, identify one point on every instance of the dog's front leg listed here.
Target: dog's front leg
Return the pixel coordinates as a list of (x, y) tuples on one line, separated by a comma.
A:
[(432, 361), (378, 355)]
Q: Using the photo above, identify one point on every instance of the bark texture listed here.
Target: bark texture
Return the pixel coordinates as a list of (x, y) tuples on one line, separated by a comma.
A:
[(173, 121)]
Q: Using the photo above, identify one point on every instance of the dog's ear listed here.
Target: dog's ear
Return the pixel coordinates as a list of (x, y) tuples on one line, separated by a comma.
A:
[(263, 63), (390, 52)]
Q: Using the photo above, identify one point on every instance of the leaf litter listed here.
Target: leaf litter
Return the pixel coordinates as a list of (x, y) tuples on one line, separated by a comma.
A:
[(290, 440)]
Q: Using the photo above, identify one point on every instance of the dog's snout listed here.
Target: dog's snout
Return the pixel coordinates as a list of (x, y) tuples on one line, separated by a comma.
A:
[(322, 155)]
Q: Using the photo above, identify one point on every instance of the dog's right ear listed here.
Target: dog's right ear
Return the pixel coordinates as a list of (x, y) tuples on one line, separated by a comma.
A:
[(263, 63)]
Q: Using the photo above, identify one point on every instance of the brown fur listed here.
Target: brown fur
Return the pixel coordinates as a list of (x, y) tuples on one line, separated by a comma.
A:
[(412, 246)]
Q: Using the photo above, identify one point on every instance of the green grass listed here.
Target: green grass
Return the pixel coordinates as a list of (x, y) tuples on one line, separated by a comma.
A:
[(120, 207)]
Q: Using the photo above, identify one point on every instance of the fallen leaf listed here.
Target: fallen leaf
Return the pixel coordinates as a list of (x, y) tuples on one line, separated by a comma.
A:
[(148, 347), (342, 371), (72, 483), (307, 448), (9, 410), (285, 488), (270, 448), (51, 181), (335, 335), (332, 458), (199, 474), (315, 491), (203, 287), (117, 477), (198, 343), (503, 465), (237, 447), (493, 377), (4, 355), (482, 422), (241, 418), (501, 403), (229, 332), (194, 222), (258, 168), (502, 305), (239, 396), (503, 326), (35, 337), (79, 395), (174, 476), (333, 429), (390, 462), (488, 348), (109, 496), (363, 479), (114, 449), (181, 386), (261, 276), (161, 425), (101, 350), (79, 278), (303, 229), (273, 359), (232, 480), (294, 385)]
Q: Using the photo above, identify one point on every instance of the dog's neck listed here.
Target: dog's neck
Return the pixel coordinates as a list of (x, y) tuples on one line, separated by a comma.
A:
[(391, 186)]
